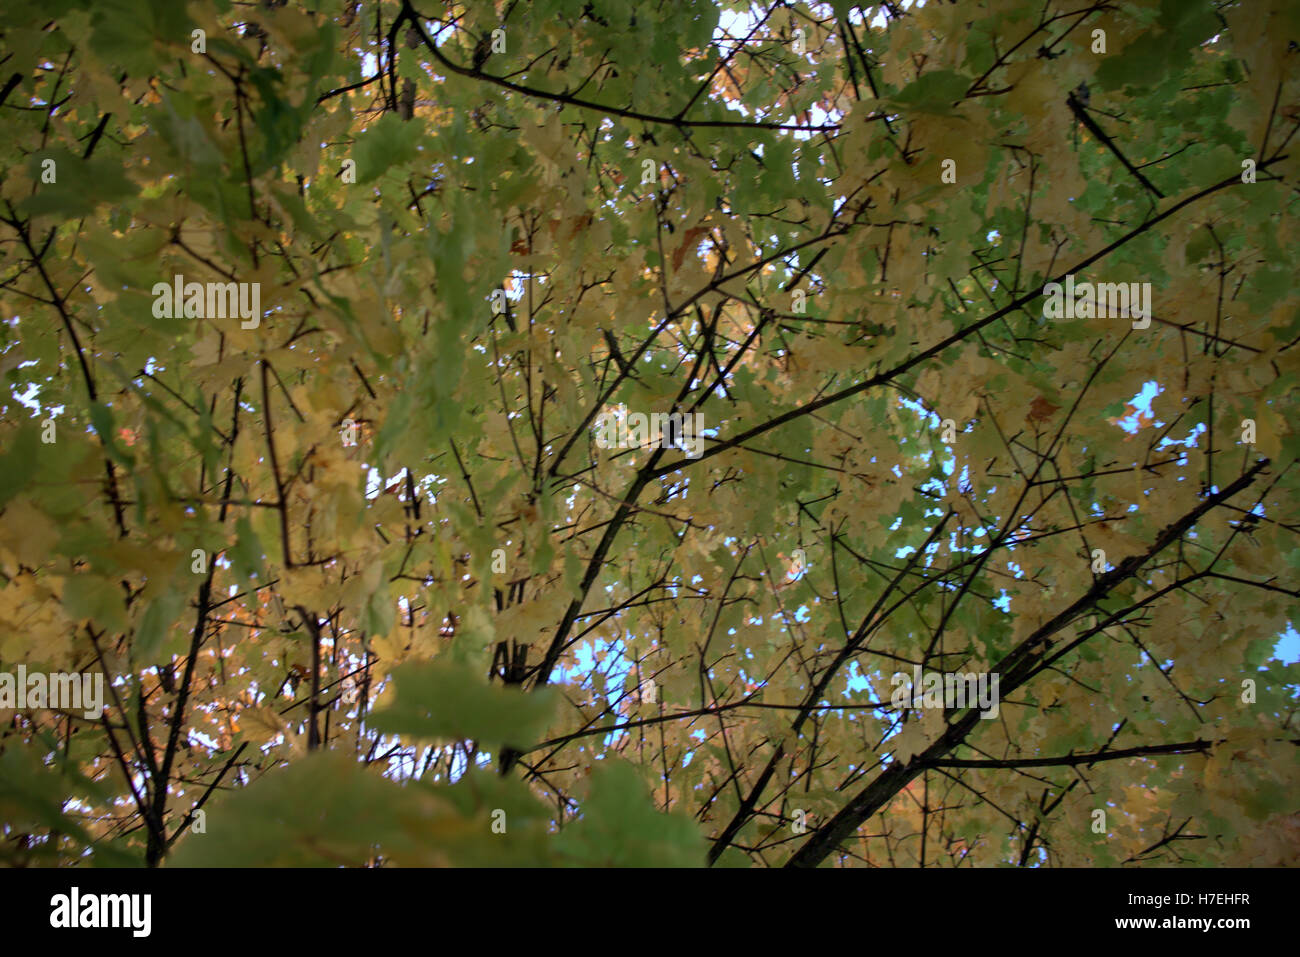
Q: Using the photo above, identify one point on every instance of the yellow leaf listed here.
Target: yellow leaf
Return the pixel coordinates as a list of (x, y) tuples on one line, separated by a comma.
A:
[(261, 724)]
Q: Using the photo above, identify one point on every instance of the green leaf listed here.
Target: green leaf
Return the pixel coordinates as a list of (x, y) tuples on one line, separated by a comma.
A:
[(246, 554), (79, 187), (1199, 246), (152, 630), (389, 142), (934, 92), (620, 827), (318, 812), (18, 463), (89, 596), (445, 700)]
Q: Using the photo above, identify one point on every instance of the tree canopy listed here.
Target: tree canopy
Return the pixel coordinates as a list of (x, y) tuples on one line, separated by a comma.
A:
[(592, 419)]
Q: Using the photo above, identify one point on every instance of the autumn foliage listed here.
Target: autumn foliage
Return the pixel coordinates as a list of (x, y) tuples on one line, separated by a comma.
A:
[(366, 590)]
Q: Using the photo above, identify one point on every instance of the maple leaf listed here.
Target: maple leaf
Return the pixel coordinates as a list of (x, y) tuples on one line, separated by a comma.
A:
[(270, 463)]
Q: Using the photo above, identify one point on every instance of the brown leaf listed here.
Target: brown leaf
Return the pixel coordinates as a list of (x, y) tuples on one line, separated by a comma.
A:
[(1040, 410), (688, 240)]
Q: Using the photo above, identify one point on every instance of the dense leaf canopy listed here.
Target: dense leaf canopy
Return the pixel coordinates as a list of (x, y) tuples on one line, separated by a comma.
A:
[(382, 563)]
